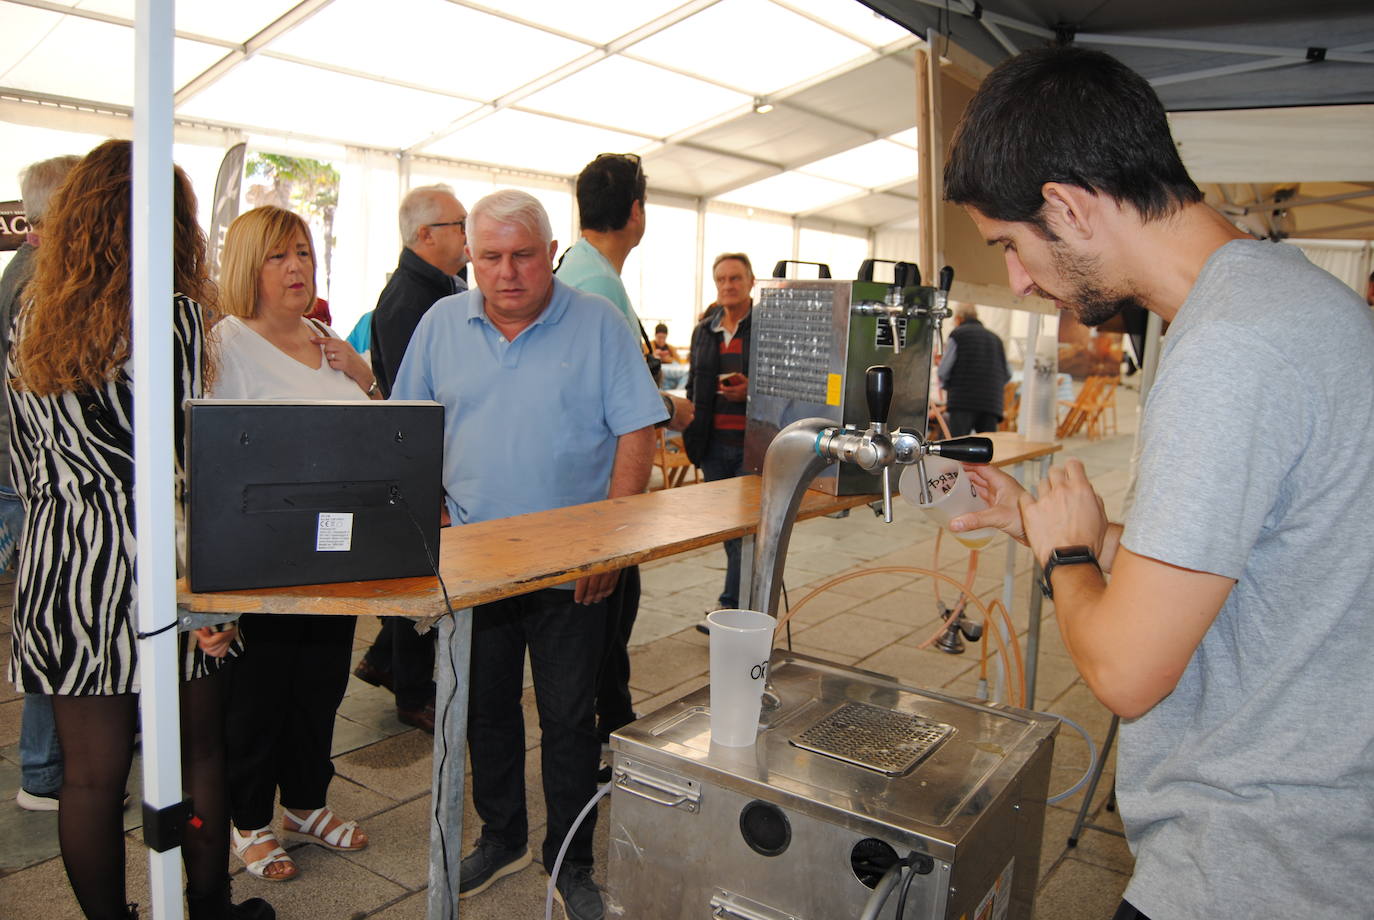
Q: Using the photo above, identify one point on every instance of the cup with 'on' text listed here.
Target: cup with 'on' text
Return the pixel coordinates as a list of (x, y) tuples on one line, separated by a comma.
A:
[(951, 494), (741, 641)]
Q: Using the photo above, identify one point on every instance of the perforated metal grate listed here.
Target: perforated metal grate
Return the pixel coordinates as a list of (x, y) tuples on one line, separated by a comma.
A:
[(874, 738)]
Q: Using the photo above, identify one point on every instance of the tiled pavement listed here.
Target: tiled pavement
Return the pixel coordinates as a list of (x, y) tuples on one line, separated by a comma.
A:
[(875, 622)]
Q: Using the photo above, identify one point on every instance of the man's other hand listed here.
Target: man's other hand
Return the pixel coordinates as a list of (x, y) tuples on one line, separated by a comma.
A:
[(594, 588), (1003, 494), (683, 413)]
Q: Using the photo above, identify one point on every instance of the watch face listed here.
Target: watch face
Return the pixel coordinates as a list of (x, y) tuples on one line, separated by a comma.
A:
[(1072, 554)]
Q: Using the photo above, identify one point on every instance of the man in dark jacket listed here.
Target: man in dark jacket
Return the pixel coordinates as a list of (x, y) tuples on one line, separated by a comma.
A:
[(718, 386), (973, 373), (434, 230)]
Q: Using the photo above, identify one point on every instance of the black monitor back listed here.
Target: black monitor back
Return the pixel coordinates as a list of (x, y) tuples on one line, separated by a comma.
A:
[(297, 493)]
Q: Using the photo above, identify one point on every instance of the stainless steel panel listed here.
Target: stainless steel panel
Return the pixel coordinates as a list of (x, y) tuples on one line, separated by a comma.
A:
[(812, 342), (975, 805)]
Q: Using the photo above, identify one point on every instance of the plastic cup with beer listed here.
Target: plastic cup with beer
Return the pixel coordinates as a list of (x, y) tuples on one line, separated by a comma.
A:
[(951, 494), (741, 642)]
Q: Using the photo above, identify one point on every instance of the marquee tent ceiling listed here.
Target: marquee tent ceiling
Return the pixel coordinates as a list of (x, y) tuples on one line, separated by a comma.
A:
[(542, 86)]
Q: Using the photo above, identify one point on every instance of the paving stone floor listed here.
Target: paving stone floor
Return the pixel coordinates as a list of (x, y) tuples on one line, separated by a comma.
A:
[(875, 622)]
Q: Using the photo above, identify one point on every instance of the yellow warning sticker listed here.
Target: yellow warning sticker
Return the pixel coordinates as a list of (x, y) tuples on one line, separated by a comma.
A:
[(833, 385)]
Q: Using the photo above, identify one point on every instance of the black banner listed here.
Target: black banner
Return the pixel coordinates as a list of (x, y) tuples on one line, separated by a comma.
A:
[(13, 225), (228, 185)]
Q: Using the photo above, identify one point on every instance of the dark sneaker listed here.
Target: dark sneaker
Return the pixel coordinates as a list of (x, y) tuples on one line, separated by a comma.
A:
[(370, 674), (486, 863), (579, 896), (422, 718)]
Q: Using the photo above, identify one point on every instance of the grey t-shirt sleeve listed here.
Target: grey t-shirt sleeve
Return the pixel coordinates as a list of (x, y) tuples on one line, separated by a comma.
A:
[(1223, 432)]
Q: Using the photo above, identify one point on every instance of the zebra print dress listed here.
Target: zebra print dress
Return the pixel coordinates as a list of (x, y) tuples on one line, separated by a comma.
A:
[(75, 610)]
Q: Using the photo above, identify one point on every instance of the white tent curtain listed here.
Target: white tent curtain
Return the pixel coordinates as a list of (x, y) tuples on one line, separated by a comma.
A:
[(1348, 261)]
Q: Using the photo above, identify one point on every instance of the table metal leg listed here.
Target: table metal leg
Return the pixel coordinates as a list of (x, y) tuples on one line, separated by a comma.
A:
[(1036, 598), (746, 573), (452, 652), (1098, 767)]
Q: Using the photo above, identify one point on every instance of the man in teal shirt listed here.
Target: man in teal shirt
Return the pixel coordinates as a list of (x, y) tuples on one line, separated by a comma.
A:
[(610, 200)]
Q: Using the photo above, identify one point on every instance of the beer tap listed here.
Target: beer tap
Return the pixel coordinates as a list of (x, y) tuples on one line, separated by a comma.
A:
[(804, 448), (878, 448), (941, 312)]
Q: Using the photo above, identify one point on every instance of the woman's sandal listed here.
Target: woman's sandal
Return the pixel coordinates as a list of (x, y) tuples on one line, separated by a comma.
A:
[(259, 868), (314, 828)]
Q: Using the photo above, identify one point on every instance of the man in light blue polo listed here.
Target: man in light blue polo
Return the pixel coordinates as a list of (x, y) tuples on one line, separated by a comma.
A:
[(550, 405)]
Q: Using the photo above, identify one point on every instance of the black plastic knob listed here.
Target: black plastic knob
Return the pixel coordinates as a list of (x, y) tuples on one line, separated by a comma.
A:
[(878, 390), (965, 450), (947, 278)]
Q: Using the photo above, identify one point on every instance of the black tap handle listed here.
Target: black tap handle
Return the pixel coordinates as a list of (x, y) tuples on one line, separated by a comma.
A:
[(965, 450), (947, 278), (878, 390)]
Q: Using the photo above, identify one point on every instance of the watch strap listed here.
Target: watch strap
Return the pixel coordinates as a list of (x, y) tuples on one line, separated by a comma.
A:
[(1065, 555)]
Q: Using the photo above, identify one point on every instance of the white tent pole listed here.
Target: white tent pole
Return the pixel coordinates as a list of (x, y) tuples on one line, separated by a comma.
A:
[(153, 470)]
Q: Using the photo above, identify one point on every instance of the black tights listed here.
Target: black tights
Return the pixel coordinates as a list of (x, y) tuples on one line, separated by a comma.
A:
[(97, 736)]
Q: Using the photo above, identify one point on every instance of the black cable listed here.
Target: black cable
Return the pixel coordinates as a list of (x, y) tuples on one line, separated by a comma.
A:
[(398, 499), (159, 631), (906, 889), (786, 608)]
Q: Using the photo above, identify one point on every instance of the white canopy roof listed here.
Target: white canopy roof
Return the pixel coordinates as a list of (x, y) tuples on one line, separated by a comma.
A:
[(538, 86)]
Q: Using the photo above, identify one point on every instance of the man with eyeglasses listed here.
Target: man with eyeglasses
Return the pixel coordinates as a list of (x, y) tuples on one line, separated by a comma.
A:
[(433, 229)]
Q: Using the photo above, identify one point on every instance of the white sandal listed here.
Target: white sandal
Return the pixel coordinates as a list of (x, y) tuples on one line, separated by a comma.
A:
[(341, 838), (258, 867)]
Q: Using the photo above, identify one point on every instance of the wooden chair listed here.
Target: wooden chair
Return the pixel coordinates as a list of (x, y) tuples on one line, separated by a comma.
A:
[(1077, 412), (671, 459), (1105, 402), (1011, 405), (1107, 419)]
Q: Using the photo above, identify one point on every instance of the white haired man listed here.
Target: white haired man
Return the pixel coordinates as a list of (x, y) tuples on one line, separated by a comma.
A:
[(558, 374), (40, 755), (433, 228)]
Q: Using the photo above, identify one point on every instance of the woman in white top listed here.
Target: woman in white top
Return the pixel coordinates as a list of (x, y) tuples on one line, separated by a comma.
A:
[(287, 686)]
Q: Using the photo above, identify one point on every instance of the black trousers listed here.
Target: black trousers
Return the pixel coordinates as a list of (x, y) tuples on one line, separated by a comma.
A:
[(284, 691), (409, 657), (614, 708), (966, 421), (1126, 912), (566, 643)]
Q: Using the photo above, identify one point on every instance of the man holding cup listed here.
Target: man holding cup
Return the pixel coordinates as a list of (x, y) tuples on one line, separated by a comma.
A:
[(1235, 633)]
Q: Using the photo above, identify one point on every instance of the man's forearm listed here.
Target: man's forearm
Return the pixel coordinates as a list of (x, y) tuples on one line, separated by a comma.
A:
[(1111, 539), (634, 458)]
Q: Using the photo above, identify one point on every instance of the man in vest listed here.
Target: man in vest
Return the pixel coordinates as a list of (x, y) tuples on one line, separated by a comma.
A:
[(973, 372)]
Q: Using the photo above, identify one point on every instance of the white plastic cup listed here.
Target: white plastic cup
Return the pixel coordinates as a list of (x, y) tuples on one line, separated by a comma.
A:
[(951, 494), (741, 642)]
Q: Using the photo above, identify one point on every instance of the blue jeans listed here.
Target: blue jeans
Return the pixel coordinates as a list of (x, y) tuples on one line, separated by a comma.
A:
[(40, 754), (725, 461), (11, 525), (565, 642)]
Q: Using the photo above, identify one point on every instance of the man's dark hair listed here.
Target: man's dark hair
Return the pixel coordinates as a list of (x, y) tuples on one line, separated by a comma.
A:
[(607, 188), (1071, 115), (660, 328)]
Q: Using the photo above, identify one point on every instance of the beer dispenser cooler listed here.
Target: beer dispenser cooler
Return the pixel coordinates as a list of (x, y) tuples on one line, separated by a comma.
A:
[(813, 339)]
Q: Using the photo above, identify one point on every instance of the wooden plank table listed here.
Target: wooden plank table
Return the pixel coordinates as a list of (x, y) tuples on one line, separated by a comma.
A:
[(492, 560)]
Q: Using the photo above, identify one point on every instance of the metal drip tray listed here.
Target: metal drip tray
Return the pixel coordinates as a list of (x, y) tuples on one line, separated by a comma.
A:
[(874, 738)]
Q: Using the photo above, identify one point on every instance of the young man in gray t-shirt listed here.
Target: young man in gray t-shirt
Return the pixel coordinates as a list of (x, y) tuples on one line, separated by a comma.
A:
[(1236, 632)]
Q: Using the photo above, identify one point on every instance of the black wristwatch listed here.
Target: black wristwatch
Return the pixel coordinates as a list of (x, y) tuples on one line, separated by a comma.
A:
[(1065, 555)]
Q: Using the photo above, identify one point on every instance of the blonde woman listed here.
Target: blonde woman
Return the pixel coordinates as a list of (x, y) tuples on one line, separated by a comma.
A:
[(286, 688)]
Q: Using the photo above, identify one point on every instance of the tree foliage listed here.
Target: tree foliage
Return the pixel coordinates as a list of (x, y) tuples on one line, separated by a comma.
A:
[(307, 187)]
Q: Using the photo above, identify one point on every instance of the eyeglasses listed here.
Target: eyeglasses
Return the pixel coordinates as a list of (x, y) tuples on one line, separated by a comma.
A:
[(460, 224), (632, 157)]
